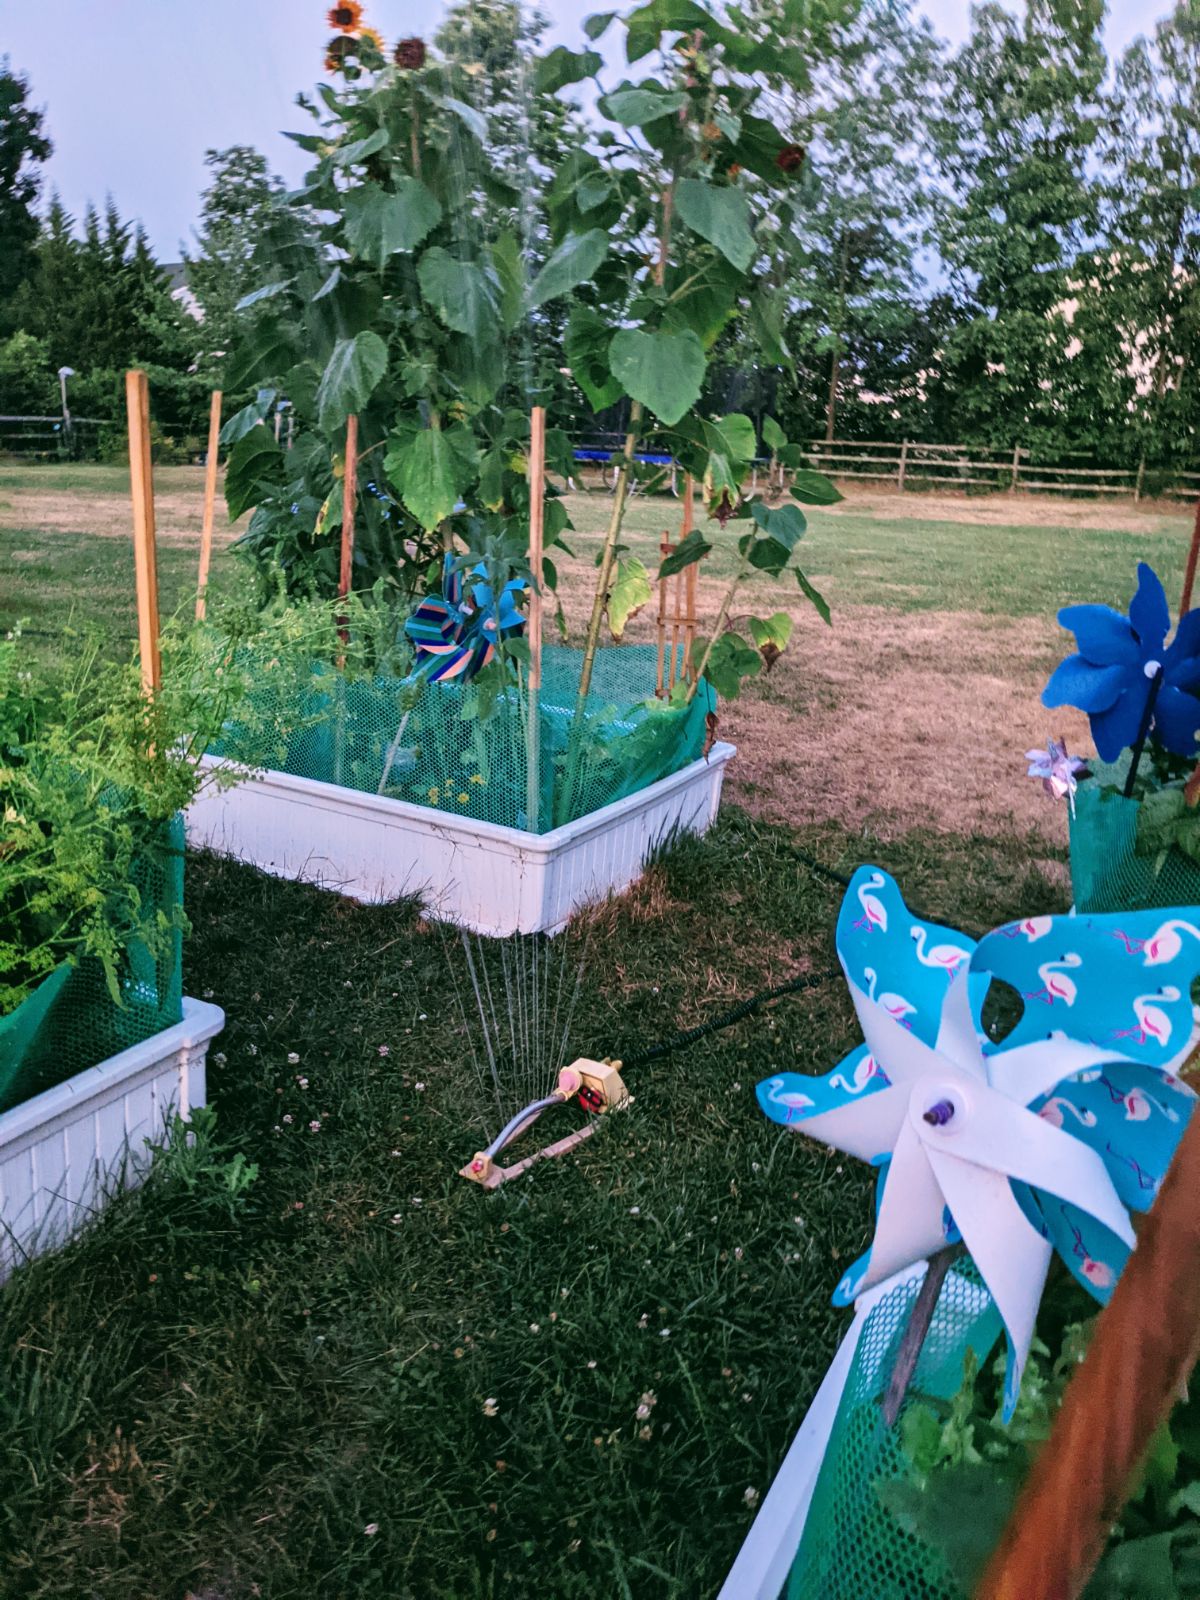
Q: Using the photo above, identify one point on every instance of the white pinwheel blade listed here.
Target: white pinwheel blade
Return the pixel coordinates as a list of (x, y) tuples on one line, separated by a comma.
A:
[(1028, 1071), (904, 1057), (992, 1132), (1012, 1256), (866, 1126), (957, 1036), (910, 1224)]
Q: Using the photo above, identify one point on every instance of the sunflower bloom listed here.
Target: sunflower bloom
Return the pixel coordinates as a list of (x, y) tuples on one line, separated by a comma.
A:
[(410, 54), (373, 37), (346, 16)]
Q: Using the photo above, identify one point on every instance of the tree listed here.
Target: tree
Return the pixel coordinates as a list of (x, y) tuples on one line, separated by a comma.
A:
[(864, 212), (1015, 137), (237, 209), (1140, 301), (24, 147)]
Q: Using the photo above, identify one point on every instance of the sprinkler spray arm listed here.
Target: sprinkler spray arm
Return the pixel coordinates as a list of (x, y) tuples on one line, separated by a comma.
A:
[(599, 1088)]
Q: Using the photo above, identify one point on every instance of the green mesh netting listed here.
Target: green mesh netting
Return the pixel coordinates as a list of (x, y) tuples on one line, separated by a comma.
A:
[(71, 1021), (1108, 874), (426, 742), (852, 1548)]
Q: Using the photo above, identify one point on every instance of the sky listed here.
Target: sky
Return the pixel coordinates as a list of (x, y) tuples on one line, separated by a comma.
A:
[(136, 90)]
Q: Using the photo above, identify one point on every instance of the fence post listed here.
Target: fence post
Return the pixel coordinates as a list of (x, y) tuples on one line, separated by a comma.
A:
[(1016, 467), (1141, 480), (903, 465)]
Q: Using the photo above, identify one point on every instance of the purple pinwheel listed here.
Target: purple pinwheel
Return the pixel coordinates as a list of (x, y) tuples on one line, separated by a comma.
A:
[(1058, 770), (1126, 677)]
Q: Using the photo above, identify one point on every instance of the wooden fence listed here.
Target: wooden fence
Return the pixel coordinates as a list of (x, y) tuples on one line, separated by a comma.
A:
[(909, 465)]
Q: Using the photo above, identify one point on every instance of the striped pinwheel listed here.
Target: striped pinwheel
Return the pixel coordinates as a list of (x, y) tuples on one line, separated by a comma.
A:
[(455, 633), (1042, 1141)]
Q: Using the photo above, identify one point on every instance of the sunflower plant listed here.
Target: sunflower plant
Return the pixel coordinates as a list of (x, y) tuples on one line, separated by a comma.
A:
[(443, 293)]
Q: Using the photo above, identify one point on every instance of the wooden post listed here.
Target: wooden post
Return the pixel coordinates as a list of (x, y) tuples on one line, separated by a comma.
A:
[(1016, 467), (210, 500), (1144, 1348), (141, 474), (1189, 578), (903, 469), (1140, 482), (537, 529), (349, 499), (689, 627), (665, 547)]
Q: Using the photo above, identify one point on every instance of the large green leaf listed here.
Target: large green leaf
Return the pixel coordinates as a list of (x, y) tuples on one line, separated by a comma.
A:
[(814, 595), (771, 635), (267, 292), (474, 121), (595, 25), (431, 470), (786, 524), (731, 661), (629, 592), (562, 67), (773, 435), (379, 223), (720, 215), (510, 273), (648, 22), (634, 108), (462, 293), (665, 371), (694, 548), (351, 376), (266, 352), (359, 149), (586, 345), (814, 489), (573, 263), (253, 469)]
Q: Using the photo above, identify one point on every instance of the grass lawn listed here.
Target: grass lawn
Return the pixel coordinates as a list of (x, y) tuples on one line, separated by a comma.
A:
[(365, 1377)]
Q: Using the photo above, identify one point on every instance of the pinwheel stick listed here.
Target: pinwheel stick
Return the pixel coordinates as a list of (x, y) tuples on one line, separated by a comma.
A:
[(1146, 1343), (912, 1340), (1139, 744)]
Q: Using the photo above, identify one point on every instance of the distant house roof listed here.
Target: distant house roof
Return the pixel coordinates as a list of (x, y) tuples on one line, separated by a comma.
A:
[(181, 291)]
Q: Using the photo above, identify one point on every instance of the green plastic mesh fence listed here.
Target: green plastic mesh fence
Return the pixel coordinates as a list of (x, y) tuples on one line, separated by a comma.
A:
[(1108, 874), (71, 1021), (852, 1548), (426, 743)]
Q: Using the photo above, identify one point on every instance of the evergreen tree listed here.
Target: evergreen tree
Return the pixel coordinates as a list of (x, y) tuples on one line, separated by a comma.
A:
[(1015, 137), (237, 211), (23, 149)]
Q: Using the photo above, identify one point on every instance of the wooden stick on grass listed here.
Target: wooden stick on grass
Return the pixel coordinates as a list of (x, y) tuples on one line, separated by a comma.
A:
[(537, 526), (141, 476), (210, 500)]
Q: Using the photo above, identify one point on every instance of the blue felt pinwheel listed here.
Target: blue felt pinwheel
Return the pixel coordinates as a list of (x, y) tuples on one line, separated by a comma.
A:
[(1044, 1141), (455, 633), (1126, 677)]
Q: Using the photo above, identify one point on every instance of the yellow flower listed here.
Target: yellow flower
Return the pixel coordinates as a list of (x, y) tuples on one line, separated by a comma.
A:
[(372, 36), (462, 799), (434, 796), (477, 777)]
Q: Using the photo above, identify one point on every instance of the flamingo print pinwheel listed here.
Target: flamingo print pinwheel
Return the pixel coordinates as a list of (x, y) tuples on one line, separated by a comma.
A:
[(1044, 1141), (455, 636)]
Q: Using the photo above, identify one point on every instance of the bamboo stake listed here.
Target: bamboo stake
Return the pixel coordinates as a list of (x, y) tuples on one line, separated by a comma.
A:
[(349, 497), (665, 547), (689, 632), (676, 631), (210, 501), (141, 475), (537, 527), (1146, 1343)]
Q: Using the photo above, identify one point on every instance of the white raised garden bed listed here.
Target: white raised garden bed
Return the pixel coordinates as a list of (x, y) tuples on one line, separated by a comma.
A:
[(479, 875), (65, 1150)]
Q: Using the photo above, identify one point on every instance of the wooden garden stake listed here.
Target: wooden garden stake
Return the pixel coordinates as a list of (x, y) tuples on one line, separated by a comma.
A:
[(1146, 1343), (349, 495), (691, 577), (1189, 580), (665, 547), (210, 501), (537, 526), (141, 475)]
